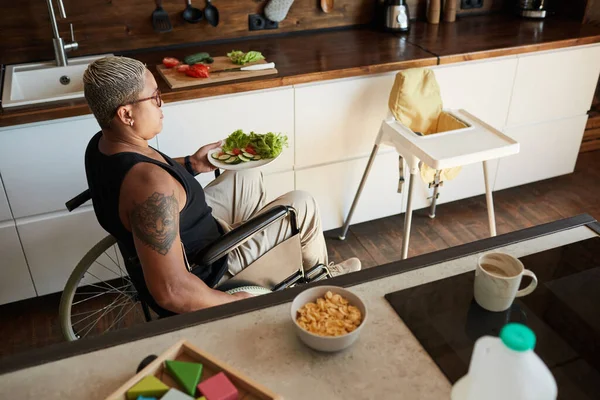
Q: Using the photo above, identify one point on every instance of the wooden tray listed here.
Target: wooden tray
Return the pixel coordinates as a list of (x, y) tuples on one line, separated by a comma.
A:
[(177, 80), (185, 351)]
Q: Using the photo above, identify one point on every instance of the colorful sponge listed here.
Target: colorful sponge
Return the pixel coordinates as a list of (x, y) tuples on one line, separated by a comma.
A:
[(218, 387)]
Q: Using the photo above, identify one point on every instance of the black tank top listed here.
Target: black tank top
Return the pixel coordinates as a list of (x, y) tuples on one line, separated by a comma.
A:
[(197, 226)]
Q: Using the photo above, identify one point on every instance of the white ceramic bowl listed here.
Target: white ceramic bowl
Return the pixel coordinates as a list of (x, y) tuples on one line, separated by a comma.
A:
[(327, 343)]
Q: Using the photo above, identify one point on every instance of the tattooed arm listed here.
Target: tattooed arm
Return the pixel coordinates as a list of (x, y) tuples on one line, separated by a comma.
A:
[(149, 206)]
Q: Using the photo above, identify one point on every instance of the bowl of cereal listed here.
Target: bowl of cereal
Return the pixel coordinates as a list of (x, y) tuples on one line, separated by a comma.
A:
[(328, 318)]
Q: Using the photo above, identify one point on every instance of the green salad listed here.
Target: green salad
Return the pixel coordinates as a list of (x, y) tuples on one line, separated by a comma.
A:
[(241, 147)]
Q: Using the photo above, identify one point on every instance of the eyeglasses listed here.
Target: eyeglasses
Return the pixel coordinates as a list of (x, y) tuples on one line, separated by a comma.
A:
[(157, 99)]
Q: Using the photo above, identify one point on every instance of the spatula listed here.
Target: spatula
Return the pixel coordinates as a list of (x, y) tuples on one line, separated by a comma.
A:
[(160, 19)]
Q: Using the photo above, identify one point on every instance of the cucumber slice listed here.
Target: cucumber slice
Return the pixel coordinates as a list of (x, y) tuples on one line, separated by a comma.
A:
[(231, 160), (247, 155), (215, 155), (231, 153), (223, 157), (242, 158), (256, 158)]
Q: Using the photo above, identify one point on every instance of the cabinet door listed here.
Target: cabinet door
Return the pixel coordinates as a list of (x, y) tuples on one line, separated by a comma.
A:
[(42, 165), (339, 120), (15, 280), (5, 213), (55, 243), (554, 85), (483, 88), (335, 185), (190, 125), (548, 149)]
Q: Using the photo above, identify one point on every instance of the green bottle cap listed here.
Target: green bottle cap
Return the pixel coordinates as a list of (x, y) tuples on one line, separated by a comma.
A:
[(517, 337)]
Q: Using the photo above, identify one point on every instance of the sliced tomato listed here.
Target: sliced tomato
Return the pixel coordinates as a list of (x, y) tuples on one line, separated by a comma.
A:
[(250, 150), (198, 71), (237, 152), (170, 62), (182, 68)]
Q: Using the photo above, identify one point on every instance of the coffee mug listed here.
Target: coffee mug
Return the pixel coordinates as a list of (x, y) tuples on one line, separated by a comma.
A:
[(497, 280)]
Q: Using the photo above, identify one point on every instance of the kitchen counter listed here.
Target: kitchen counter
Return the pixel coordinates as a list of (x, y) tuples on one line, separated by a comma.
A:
[(499, 35), (256, 336), (316, 56)]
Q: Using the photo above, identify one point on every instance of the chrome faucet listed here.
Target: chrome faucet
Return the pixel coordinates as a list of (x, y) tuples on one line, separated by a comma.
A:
[(60, 47)]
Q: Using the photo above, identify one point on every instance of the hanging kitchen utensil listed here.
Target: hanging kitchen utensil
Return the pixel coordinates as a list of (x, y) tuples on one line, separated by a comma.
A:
[(326, 5), (211, 13), (277, 10), (192, 14), (160, 19)]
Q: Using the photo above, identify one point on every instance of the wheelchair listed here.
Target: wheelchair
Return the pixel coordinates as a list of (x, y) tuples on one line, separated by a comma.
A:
[(106, 290)]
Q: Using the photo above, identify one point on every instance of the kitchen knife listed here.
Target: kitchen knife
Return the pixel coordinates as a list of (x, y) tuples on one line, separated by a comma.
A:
[(257, 67)]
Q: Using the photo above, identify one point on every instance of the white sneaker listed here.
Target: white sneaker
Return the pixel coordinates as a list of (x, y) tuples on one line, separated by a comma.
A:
[(350, 265)]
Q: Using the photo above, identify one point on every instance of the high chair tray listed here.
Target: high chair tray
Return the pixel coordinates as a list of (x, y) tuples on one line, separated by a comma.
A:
[(476, 143)]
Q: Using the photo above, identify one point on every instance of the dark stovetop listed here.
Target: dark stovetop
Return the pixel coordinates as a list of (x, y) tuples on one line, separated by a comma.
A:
[(564, 313)]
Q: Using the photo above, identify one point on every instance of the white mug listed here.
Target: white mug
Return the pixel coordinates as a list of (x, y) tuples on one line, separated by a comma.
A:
[(497, 280)]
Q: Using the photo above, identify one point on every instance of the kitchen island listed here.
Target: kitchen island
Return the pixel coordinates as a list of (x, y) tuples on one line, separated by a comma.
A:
[(257, 337)]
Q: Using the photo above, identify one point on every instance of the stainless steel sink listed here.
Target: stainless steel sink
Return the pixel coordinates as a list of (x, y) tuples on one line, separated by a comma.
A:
[(36, 83)]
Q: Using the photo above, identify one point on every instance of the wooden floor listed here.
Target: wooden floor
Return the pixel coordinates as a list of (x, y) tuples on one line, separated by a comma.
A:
[(34, 323)]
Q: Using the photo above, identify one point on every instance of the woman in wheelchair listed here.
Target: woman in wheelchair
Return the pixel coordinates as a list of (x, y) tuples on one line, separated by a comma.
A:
[(160, 215)]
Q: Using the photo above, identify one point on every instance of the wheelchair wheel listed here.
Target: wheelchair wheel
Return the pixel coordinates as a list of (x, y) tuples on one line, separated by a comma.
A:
[(99, 296)]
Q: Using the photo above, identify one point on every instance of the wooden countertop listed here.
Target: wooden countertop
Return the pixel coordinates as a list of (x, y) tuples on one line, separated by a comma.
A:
[(499, 35), (316, 56)]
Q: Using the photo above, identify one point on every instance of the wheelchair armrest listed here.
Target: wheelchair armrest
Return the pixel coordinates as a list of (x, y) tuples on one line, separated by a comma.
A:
[(78, 200), (238, 236)]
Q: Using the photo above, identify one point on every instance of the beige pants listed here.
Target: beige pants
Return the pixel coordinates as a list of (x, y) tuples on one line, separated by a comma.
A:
[(236, 196)]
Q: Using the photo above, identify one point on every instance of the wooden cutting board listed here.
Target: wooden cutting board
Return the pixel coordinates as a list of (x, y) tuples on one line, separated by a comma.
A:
[(177, 80)]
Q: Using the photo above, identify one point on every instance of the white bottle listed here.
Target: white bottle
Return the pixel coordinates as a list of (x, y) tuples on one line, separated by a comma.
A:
[(506, 368)]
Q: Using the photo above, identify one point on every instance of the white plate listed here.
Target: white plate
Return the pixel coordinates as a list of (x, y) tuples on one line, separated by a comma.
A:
[(253, 290), (240, 166)]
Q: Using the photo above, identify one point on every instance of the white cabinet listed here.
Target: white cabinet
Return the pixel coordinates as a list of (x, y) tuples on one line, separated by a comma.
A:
[(554, 84), (192, 124), (548, 149), (339, 120), (5, 213), (483, 88), (55, 243), (334, 187), (42, 165), (15, 280)]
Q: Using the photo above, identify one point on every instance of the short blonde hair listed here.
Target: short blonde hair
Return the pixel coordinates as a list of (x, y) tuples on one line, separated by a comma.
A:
[(111, 82)]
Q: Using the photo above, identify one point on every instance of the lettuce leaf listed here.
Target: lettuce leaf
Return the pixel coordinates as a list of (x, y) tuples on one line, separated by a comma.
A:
[(268, 145), (241, 58)]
